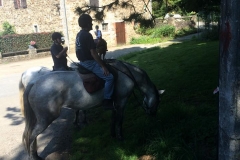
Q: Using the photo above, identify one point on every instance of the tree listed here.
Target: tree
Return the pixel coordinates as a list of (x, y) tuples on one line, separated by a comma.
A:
[(99, 12), (229, 84), (161, 7), (185, 6), (199, 5)]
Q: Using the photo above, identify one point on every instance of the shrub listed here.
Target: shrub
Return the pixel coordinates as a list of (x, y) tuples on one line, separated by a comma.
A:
[(211, 34), (20, 42), (7, 29), (164, 31), (145, 40), (153, 35), (185, 31), (141, 30)]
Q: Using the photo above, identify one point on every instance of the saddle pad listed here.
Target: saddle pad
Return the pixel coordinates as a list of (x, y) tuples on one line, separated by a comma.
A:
[(91, 82)]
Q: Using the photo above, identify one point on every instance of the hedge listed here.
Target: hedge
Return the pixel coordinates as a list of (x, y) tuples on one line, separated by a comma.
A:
[(20, 42)]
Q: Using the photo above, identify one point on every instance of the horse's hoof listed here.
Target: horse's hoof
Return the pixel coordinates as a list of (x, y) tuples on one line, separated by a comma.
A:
[(80, 126), (36, 157), (113, 135), (77, 126), (120, 139)]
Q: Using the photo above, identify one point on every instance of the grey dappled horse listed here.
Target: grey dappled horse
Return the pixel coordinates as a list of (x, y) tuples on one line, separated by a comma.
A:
[(30, 76), (44, 98)]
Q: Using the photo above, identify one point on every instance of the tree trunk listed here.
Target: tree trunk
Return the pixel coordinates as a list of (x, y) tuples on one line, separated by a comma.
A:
[(166, 6), (229, 81)]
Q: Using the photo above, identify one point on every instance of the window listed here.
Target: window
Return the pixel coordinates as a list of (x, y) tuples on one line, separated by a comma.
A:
[(20, 4), (94, 3), (35, 27), (105, 27)]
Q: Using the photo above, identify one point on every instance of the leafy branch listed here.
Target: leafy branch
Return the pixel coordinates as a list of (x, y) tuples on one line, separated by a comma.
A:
[(100, 12)]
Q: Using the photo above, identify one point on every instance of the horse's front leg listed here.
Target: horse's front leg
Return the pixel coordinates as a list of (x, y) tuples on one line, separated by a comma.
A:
[(113, 124), (76, 118), (119, 122), (116, 126)]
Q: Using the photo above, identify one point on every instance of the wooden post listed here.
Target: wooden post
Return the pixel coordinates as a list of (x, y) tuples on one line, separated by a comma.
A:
[(229, 81)]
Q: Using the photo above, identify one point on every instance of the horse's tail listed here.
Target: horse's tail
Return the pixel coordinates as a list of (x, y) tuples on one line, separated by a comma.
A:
[(30, 119), (21, 91)]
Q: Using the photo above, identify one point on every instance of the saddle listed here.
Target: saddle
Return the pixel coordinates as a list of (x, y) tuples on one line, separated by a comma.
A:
[(92, 82)]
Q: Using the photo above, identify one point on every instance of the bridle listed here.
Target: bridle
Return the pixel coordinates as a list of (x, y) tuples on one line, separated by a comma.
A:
[(130, 75)]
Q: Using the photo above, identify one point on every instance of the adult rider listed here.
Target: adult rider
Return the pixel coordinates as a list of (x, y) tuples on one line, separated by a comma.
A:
[(88, 57)]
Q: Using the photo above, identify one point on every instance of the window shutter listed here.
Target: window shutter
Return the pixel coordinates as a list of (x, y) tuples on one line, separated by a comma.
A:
[(15, 4), (24, 3), (94, 3)]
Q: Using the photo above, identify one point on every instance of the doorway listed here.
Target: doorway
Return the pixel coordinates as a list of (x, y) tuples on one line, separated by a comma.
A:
[(120, 33)]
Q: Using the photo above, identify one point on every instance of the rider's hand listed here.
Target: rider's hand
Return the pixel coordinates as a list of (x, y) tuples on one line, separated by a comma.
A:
[(105, 71), (66, 48)]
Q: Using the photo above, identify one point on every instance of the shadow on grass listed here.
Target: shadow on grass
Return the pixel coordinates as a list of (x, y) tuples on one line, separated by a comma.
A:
[(186, 124)]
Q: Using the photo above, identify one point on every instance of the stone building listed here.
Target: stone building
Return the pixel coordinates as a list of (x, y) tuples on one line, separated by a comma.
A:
[(29, 16)]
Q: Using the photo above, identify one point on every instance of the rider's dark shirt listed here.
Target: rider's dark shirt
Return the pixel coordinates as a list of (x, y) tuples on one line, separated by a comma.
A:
[(58, 62), (84, 43)]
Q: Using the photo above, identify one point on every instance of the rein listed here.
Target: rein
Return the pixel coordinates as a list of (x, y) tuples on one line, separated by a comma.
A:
[(72, 61), (127, 74), (135, 82)]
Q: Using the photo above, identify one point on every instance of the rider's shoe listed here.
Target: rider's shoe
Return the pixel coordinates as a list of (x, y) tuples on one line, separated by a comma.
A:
[(108, 104)]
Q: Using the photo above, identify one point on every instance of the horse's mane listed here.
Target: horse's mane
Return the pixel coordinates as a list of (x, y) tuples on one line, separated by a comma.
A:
[(122, 65)]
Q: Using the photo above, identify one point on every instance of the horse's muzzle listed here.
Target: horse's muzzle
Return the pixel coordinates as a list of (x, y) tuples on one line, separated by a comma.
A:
[(153, 114), (151, 111)]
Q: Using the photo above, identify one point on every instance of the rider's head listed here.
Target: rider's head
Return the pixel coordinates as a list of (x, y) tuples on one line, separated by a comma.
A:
[(85, 22), (96, 27), (57, 37)]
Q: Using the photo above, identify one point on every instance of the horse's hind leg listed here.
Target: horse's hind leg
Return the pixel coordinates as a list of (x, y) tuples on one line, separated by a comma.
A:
[(38, 129), (76, 121), (80, 119)]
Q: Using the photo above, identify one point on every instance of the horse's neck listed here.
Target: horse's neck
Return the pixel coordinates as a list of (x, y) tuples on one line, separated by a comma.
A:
[(142, 81)]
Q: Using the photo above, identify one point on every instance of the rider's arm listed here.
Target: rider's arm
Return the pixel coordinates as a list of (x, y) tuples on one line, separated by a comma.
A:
[(99, 60), (62, 53), (99, 34)]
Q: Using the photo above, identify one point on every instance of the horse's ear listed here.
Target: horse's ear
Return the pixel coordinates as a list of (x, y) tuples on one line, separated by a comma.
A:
[(161, 91)]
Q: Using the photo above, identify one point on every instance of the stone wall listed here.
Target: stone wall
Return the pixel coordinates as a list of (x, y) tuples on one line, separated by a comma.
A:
[(59, 15), (32, 54), (43, 14), (112, 16), (178, 23)]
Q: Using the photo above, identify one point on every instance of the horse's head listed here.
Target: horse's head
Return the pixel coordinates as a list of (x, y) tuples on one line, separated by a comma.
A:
[(150, 103)]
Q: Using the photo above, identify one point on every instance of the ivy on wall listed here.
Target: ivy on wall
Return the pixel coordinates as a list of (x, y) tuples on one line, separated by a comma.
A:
[(20, 42)]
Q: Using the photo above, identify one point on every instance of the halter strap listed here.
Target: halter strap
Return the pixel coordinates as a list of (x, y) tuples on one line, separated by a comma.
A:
[(134, 80)]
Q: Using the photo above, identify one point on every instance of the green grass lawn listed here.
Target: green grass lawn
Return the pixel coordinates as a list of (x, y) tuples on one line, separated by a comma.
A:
[(185, 127)]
